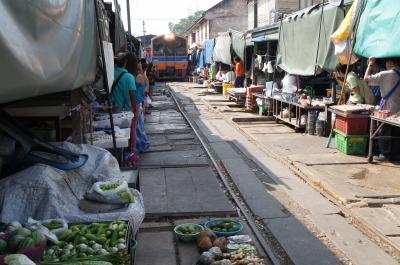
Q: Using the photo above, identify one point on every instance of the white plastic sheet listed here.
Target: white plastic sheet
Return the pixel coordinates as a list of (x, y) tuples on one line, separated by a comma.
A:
[(222, 49), (43, 192), (46, 47)]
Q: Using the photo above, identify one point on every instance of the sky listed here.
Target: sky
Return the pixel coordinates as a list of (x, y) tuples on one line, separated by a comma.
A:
[(157, 13)]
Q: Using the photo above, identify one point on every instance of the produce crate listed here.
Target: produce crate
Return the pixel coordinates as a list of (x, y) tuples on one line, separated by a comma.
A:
[(352, 126), (351, 144)]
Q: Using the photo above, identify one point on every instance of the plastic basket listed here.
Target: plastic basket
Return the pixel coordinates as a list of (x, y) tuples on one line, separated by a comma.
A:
[(351, 144), (352, 126)]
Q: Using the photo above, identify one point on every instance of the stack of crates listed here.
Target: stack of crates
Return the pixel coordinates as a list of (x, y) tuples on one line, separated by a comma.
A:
[(351, 135)]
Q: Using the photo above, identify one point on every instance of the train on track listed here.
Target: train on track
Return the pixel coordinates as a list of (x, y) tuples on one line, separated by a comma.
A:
[(169, 56)]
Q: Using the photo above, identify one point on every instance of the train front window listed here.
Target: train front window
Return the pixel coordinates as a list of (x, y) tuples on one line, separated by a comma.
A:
[(180, 46), (169, 47)]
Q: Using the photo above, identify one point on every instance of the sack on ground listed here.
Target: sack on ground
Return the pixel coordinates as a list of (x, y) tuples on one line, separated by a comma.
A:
[(111, 192)]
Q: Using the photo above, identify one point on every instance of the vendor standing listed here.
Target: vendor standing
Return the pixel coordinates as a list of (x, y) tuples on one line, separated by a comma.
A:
[(389, 83), (361, 93), (240, 72), (124, 96)]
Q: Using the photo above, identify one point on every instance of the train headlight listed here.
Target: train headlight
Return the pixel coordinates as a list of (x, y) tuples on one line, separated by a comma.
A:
[(169, 37)]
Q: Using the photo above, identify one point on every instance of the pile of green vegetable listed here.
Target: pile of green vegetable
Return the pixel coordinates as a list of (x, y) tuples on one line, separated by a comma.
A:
[(82, 241), (22, 238), (225, 226), (188, 230)]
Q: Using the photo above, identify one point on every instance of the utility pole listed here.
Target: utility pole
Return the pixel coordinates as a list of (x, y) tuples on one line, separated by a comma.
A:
[(144, 34), (255, 13), (128, 10)]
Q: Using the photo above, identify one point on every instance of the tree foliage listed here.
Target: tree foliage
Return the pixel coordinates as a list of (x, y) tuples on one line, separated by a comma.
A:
[(185, 23)]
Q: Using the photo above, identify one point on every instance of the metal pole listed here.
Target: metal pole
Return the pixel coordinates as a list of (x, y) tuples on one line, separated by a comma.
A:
[(105, 79), (128, 11), (255, 13)]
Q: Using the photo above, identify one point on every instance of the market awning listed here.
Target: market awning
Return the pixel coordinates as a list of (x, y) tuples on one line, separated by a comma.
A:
[(263, 38), (238, 43), (266, 33), (378, 32), (305, 47)]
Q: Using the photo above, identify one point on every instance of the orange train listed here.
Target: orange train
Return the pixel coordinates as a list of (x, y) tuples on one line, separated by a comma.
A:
[(169, 56)]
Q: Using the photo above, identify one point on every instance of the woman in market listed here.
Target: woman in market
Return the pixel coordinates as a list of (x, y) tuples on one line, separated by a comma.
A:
[(124, 95), (389, 84), (240, 72), (361, 93), (142, 83), (152, 80)]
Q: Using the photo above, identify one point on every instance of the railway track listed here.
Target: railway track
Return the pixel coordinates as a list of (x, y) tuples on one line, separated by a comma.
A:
[(196, 162), (259, 232)]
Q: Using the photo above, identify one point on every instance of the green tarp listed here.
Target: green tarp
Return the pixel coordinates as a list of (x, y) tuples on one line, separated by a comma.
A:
[(378, 32), (300, 42)]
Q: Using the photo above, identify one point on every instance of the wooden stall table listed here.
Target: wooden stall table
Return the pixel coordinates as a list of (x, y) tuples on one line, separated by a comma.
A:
[(376, 125), (237, 94), (278, 105)]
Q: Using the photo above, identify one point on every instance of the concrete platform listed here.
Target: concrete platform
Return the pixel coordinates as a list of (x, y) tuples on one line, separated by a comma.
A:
[(183, 192)]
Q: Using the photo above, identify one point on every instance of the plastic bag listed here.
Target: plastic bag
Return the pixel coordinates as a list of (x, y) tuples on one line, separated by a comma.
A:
[(112, 192), (35, 225), (18, 259), (289, 84), (57, 231)]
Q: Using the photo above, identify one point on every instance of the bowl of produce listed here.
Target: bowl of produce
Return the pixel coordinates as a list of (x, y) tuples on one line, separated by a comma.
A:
[(188, 232), (224, 227)]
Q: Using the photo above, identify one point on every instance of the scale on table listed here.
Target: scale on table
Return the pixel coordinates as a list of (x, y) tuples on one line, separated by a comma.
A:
[(32, 150)]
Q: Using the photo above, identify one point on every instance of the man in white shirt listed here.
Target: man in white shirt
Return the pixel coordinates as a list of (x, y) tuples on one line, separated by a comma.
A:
[(389, 83), (229, 77)]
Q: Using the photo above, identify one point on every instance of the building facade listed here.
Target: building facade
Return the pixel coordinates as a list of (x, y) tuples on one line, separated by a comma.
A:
[(268, 10), (227, 14)]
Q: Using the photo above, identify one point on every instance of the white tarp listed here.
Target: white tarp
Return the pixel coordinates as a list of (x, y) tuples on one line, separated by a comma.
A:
[(222, 48), (238, 43), (43, 192), (46, 47)]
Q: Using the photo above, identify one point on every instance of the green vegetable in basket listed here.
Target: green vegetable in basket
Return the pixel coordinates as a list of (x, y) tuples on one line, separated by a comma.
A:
[(225, 226)]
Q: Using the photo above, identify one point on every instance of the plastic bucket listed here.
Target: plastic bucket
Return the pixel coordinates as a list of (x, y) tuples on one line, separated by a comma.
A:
[(225, 88)]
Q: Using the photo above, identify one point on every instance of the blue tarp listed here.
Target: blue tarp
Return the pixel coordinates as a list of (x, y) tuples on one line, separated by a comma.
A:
[(201, 60), (208, 51)]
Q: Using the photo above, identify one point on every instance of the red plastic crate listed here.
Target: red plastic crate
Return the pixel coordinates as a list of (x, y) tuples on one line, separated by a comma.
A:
[(352, 126)]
